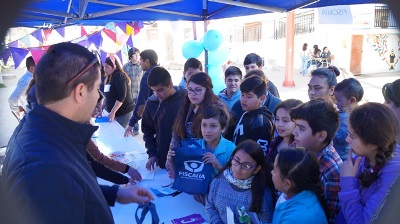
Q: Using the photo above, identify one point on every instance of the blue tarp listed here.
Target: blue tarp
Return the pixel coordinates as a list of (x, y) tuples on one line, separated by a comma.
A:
[(99, 12)]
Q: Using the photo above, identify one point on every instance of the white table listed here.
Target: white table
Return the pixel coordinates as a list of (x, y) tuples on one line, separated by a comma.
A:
[(110, 139)]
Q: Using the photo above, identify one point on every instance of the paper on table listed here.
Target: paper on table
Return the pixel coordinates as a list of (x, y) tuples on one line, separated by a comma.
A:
[(135, 160), (230, 218)]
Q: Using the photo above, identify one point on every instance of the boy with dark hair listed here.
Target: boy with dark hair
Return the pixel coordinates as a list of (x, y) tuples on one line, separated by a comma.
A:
[(270, 101), (316, 124), (254, 61), (191, 67), (256, 122), (134, 71), (231, 94), (148, 60), (159, 115), (347, 93)]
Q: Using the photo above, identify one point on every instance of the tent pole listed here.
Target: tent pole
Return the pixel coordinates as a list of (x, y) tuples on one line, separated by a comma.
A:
[(289, 81), (205, 23)]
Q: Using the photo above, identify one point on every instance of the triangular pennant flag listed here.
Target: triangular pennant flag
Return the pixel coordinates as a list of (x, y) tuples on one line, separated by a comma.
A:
[(95, 39), (103, 56), (129, 29), (119, 55), (26, 40), (13, 44), (129, 42), (122, 39), (38, 35), (83, 31), (83, 43), (37, 53), (111, 26), (121, 25), (5, 55), (47, 33), (61, 31), (137, 26), (18, 55), (110, 34)]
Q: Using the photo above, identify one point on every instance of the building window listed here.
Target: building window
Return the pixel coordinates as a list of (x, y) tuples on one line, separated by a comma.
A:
[(252, 31), (303, 23), (384, 17)]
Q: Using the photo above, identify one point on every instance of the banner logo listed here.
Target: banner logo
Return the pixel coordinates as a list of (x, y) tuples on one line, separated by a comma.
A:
[(193, 166)]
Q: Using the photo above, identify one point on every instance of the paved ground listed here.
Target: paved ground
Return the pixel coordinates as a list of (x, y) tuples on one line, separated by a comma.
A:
[(372, 84)]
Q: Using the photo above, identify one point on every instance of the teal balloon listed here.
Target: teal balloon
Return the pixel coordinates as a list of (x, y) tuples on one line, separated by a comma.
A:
[(192, 49), (216, 74), (219, 56), (212, 40)]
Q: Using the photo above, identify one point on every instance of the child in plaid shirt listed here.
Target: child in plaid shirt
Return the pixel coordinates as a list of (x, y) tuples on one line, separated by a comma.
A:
[(316, 124)]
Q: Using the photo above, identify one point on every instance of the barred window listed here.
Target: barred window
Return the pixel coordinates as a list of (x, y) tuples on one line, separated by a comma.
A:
[(384, 17)]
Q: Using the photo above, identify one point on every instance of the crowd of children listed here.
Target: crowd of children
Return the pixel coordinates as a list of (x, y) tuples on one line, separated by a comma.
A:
[(327, 160)]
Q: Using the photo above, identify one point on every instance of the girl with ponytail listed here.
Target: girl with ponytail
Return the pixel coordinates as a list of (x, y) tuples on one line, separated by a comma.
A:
[(364, 181), (296, 174)]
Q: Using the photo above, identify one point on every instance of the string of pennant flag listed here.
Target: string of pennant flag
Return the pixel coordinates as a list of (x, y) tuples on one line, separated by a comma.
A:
[(19, 49)]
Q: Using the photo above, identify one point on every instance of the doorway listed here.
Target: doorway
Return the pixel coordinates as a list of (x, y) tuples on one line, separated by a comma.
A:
[(356, 54)]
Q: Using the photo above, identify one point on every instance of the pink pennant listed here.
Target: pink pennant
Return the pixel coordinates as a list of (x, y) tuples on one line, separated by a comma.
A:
[(37, 53), (47, 33), (110, 34), (122, 39), (83, 31)]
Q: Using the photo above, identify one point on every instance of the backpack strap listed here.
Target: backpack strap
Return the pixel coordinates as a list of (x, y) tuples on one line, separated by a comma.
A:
[(145, 209)]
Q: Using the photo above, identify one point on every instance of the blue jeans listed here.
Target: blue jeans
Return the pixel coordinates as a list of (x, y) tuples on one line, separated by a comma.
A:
[(304, 66), (123, 120)]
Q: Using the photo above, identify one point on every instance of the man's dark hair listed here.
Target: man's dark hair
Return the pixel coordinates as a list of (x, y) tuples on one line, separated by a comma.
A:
[(255, 84), (29, 62), (159, 76), (320, 115), (253, 58), (132, 51), (192, 63), (151, 55), (58, 66), (233, 70), (350, 87)]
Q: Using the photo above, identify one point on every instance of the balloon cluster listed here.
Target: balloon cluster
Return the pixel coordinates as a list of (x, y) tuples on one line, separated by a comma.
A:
[(218, 54)]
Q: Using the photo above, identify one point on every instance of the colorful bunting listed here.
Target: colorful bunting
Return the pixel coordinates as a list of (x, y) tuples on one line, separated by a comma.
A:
[(110, 34), (5, 55), (38, 35), (83, 31), (13, 44), (46, 34), (111, 26), (83, 43), (95, 39), (61, 31), (122, 39), (103, 55), (119, 56), (122, 26), (18, 55), (129, 29), (129, 42), (37, 53), (26, 40)]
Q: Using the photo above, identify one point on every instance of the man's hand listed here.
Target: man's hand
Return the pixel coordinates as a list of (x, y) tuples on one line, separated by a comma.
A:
[(134, 174), (151, 163), (131, 194), (111, 116), (128, 131)]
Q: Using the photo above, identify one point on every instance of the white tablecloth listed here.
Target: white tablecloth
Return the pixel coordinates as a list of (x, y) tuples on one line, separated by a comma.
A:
[(110, 139)]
